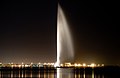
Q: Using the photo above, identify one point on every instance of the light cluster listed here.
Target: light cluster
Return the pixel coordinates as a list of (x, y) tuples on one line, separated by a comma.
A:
[(81, 65), (51, 65)]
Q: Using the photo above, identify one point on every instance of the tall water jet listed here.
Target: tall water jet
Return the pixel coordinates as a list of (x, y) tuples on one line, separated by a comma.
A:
[(64, 46), (64, 42)]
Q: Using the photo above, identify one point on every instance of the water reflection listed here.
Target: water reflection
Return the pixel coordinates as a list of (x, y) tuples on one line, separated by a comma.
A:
[(51, 73), (65, 73)]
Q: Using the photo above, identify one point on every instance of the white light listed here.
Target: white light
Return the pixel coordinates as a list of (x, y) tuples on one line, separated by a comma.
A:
[(45, 63), (26, 65), (52, 63), (61, 64), (84, 64), (92, 65), (79, 65), (19, 65), (102, 64), (56, 64), (75, 64), (98, 65)]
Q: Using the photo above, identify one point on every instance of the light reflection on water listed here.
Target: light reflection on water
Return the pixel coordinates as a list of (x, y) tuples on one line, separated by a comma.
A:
[(59, 73), (65, 73)]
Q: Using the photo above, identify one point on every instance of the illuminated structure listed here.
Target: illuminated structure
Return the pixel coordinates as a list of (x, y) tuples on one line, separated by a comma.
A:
[(64, 43)]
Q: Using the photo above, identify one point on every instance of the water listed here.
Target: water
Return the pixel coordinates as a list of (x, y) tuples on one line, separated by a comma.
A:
[(58, 73), (43, 74), (65, 73), (64, 42)]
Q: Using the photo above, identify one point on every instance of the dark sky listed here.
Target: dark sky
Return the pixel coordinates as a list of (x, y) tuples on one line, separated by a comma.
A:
[(28, 31)]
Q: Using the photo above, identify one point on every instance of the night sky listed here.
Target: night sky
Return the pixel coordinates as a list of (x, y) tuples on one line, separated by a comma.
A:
[(28, 31)]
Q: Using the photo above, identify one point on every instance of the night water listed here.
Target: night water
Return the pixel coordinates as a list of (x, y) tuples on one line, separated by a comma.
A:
[(60, 72)]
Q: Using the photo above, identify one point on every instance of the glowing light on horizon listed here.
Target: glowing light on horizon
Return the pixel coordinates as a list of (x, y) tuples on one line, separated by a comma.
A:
[(102, 64), (67, 64), (92, 65), (84, 64)]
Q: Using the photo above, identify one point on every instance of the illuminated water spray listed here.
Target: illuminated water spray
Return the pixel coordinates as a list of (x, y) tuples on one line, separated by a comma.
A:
[(64, 43)]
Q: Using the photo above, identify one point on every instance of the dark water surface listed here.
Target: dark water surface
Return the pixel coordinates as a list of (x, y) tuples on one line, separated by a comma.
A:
[(60, 73)]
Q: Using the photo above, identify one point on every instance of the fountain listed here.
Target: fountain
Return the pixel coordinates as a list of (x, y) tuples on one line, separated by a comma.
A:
[(64, 46), (64, 42)]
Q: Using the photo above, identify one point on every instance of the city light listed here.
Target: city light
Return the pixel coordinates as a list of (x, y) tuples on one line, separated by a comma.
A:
[(51, 65), (61, 65), (84, 65), (92, 65), (102, 64), (75, 65)]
